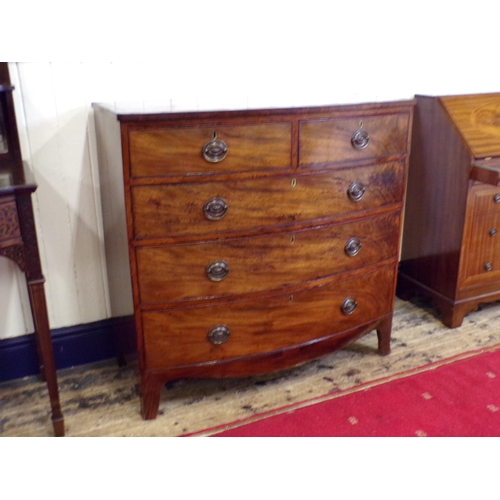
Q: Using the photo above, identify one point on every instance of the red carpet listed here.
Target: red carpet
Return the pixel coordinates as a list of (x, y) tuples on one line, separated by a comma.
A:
[(455, 397)]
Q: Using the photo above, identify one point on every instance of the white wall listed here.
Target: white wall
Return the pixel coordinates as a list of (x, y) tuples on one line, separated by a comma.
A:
[(226, 54)]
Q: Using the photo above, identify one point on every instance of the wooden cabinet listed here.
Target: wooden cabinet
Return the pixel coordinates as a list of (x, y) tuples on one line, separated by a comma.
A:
[(258, 239), (451, 245)]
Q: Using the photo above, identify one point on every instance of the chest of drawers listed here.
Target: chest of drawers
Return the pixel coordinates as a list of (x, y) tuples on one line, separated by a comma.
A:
[(451, 245), (258, 239)]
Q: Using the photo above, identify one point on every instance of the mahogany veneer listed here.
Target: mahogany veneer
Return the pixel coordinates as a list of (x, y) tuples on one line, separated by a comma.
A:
[(258, 239), (451, 249)]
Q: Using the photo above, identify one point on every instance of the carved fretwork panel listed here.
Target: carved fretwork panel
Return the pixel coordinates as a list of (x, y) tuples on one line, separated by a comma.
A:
[(15, 253), (9, 223), (28, 231)]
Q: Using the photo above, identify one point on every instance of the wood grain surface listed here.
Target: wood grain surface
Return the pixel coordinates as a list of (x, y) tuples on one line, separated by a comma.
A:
[(168, 210), (179, 336)]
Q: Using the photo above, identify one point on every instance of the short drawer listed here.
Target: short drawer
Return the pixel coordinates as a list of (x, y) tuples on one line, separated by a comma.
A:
[(182, 336), (335, 140), (179, 151), (212, 207), (484, 233), (247, 265), (482, 267), (485, 200)]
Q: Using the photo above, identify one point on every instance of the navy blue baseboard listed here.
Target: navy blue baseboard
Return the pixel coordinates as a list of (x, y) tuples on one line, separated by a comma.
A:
[(73, 346)]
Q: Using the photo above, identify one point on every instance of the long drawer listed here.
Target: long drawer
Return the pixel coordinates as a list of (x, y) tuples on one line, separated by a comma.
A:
[(212, 207), (341, 139), (183, 336), (170, 151), (246, 265)]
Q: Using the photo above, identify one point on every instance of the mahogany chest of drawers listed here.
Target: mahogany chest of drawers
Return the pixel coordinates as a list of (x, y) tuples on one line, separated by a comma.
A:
[(451, 245), (258, 239)]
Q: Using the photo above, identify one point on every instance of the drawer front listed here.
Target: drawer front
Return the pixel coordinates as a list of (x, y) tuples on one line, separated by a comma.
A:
[(248, 265), (174, 151), (331, 141), (482, 267), (9, 222), (178, 209), (484, 233), (485, 200), (180, 337)]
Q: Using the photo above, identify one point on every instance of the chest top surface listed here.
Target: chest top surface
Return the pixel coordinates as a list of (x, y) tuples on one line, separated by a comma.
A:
[(477, 117)]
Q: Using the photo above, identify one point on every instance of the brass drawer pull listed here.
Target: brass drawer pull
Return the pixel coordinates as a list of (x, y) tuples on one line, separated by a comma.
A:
[(217, 270), (219, 334), (215, 208), (352, 247), (488, 266), (348, 306), (360, 139), (356, 191), (496, 198), (215, 150), (493, 231)]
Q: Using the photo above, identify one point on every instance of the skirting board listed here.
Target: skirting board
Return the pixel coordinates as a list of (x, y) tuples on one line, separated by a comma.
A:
[(73, 346)]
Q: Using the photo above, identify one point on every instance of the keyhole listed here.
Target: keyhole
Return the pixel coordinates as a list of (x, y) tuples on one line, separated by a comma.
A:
[(292, 239)]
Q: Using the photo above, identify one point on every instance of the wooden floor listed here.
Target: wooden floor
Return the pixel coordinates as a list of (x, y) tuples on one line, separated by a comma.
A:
[(103, 399)]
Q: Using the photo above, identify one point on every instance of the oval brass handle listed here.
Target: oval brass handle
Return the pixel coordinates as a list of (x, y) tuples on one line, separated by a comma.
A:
[(348, 306), (493, 231), (360, 139), (356, 191), (214, 150), (352, 247), (496, 198), (215, 208), (217, 270), (219, 334), (488, 266)]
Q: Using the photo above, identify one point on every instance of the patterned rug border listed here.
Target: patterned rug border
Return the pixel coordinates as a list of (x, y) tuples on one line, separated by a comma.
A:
[(327, 397)]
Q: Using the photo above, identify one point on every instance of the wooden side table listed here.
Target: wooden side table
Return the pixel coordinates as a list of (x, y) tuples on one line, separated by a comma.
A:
[(18, 242), (18, 239)]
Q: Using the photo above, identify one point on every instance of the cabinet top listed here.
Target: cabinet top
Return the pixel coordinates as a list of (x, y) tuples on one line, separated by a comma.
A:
[(143, 111), (477, 118)]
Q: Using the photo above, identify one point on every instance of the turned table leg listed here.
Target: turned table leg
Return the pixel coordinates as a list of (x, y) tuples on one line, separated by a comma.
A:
[(35, 281), (46, 353)]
